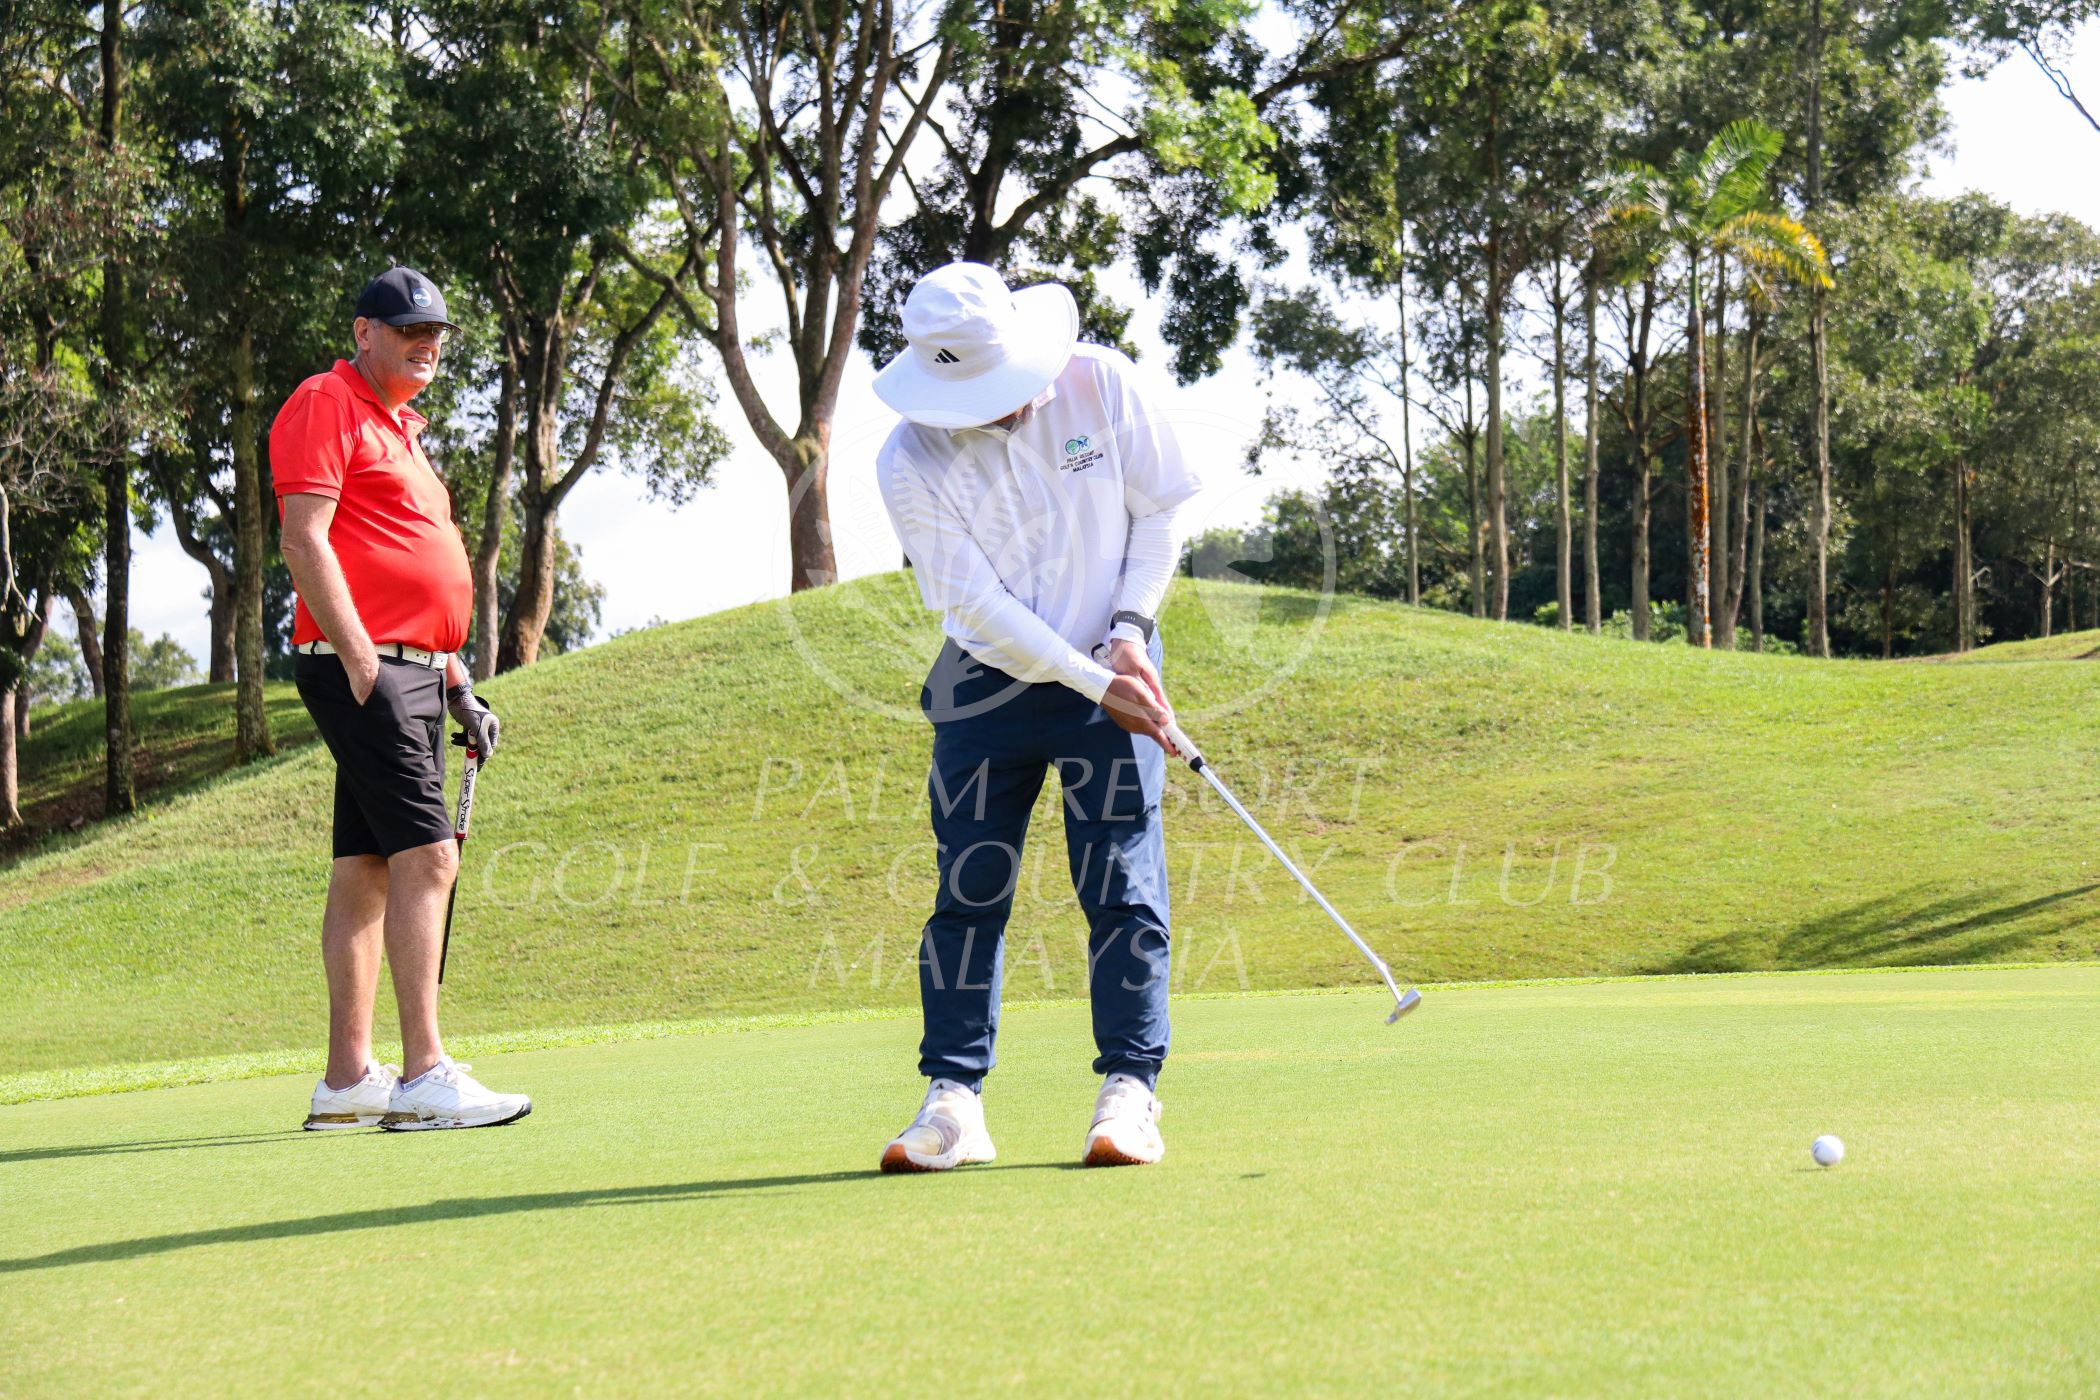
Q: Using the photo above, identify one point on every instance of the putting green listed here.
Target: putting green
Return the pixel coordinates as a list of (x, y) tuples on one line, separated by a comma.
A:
[(1598, 1189)]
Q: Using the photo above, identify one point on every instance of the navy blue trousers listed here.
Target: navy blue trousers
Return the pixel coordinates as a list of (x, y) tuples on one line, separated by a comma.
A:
[(994, 740)]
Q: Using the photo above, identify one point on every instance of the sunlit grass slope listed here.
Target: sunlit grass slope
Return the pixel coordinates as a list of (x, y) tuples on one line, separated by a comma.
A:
[(728, 816)]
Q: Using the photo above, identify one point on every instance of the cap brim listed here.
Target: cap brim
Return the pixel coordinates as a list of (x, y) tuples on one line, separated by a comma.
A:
[(415, 318), (1049, 328)]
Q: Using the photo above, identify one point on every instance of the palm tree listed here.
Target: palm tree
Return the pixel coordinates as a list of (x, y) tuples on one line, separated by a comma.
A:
[(1709, 202)]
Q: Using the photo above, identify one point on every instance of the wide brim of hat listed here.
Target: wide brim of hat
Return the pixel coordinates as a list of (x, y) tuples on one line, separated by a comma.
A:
[(1042, 347)]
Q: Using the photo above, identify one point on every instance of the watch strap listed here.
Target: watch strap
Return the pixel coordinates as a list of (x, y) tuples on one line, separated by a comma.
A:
[(1145, 625)]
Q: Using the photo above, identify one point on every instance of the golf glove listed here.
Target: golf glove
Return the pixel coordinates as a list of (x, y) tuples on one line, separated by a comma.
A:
[(474, 716)]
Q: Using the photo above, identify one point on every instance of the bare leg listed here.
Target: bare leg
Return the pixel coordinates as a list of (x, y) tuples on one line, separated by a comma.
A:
[(350, 943), (419, 880)]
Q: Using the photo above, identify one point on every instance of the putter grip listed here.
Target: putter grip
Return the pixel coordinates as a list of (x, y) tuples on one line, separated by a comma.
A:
[(1189, 753)]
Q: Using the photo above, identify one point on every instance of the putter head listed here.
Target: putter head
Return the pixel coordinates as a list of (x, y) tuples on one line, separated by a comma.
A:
[(1409, 1000)]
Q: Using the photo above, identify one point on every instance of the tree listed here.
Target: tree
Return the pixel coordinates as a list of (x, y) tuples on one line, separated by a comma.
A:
[(281, 119), (1711, 202), (769, 126), (56, 674), (120, 779), (162, 663), (1361, 375), (1038, 174), (74, 214)]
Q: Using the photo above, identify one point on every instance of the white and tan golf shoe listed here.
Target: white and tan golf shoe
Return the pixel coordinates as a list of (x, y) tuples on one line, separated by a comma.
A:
[(949, 1132), (1125, 1131)]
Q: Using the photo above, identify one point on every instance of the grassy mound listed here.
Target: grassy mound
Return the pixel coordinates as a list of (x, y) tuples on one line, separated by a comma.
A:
[(1596, 1190), (2064, 646), (727, 816), (185, 737)]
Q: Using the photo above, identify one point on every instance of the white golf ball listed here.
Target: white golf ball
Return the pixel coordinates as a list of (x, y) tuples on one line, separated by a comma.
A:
[(1827, 1150)]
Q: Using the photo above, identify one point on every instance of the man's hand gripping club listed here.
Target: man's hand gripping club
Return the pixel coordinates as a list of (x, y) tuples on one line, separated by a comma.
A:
[(1135, 699)]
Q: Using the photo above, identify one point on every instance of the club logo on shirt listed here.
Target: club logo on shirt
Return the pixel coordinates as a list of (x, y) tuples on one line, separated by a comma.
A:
[(1080, 453)]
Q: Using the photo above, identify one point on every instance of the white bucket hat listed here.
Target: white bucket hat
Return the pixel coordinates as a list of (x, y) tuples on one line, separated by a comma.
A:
[(975, 351)]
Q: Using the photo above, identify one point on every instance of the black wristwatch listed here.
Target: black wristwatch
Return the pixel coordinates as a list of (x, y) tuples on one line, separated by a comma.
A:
[(1143, 623)]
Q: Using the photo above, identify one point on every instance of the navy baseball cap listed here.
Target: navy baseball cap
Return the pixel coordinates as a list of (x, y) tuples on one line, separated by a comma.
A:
[(401, 296)]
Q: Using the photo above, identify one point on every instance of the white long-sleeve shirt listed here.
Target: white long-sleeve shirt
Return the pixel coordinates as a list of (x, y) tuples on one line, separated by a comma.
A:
[(1030, 538)]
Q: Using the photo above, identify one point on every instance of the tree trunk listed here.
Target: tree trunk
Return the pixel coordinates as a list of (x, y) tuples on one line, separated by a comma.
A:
[(251, 722), (184, 522), (1473, 540), (1757, 570), (1497, 481), (223, 606), (1888, 599), (488, 550), (119, 777), (1637, 367), (534, 600), (1964, 563), (1720, 553), (809, 510), (1698, 586), (10, 778), (1819, 351), (32, 641), (1738, 502), (526, 621), (90, 644), (1592, 592), (1564, 561), (1641, 510), (1497, 474), (1407, 445), (251, 725), (2049, 591)]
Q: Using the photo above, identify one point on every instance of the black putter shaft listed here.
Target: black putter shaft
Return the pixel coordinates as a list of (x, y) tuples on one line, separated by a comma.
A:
[(459, 837)]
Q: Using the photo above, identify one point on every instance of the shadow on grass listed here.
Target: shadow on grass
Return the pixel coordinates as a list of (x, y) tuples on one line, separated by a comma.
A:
[(465, 1208), (113, 1149), (1895, 930)]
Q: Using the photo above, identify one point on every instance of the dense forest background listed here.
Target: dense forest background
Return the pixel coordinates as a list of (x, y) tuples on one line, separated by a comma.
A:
[(1610, 315)]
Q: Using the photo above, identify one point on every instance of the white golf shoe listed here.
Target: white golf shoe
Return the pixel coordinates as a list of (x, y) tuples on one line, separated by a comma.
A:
[(359, 1106), (1125, 1132), (448, 1097), (949, 1132)]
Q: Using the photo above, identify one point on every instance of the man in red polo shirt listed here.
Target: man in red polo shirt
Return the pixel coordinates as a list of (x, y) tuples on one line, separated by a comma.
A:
[(384, 597)]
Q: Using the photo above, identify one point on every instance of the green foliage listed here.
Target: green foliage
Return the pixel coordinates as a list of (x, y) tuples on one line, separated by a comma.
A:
[(56, 674), (161, 664)]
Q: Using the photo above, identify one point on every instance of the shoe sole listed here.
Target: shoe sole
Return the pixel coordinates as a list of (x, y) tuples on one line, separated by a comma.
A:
[(324, 1122), (411, 1123), (897, 1160), (1100, 1152)]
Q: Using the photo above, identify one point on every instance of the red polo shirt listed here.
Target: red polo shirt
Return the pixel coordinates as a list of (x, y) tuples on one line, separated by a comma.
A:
[(401, 554)]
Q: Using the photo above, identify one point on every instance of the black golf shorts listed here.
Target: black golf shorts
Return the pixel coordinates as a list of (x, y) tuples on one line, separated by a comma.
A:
[(389, 753)]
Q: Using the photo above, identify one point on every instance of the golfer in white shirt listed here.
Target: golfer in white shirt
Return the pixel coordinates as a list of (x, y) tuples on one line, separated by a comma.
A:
[(1035, 486)]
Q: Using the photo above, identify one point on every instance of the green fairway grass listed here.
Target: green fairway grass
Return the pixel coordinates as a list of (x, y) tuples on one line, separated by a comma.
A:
[(727, 817), (1597, 1190)]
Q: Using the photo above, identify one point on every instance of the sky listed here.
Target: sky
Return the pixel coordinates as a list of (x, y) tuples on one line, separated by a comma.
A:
[(2012, 137)]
